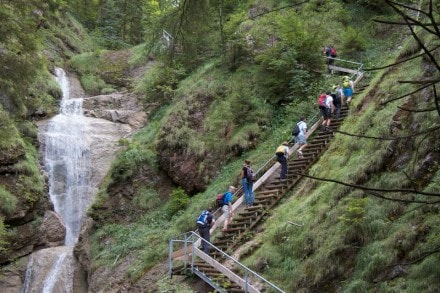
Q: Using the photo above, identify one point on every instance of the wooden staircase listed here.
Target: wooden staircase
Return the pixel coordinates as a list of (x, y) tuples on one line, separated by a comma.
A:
[(274, 189), (266, 197), (246, 219)]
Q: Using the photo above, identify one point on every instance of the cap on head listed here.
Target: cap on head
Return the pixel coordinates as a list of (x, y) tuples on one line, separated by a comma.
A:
[(346, 78), (285, 143)]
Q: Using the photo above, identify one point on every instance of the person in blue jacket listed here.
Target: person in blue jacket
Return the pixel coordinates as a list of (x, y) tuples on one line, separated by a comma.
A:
[(227, 207), (204, 223)]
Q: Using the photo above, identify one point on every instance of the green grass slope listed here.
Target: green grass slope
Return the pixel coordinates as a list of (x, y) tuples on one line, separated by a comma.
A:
[(382, 239), (352, 239)]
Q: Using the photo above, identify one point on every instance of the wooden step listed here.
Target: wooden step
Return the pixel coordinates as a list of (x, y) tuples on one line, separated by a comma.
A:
[(270, 195), (250, 213), (266, 192)]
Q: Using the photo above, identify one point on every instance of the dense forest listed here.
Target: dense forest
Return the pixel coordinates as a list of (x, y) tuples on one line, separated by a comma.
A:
[(220, 82)]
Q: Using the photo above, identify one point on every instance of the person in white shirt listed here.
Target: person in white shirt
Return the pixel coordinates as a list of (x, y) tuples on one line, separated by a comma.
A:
[(301, 139), (327, 112)]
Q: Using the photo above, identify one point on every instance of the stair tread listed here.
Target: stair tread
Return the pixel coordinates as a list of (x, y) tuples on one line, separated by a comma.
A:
[(269, 193)]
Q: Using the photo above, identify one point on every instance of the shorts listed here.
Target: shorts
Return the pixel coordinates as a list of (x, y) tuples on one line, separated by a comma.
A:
[(225, 210), (326, 112), (300, 139), (348, 92)]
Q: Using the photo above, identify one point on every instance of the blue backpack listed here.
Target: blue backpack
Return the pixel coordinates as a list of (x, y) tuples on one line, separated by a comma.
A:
[(202, 219)]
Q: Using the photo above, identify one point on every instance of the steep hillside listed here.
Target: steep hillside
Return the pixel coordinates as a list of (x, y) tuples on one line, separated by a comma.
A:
[(369, 208), (227, 88), (202, 129)]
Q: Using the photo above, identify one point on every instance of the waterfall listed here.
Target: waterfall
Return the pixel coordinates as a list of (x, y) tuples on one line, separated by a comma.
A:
[(50, 270), (67, 161)]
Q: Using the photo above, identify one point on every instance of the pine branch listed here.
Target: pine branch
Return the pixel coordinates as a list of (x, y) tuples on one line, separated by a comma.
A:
[(413, 33), (369, 189), (406, 95), (417, 110), (399, 62), (429, 130), (378, 195)]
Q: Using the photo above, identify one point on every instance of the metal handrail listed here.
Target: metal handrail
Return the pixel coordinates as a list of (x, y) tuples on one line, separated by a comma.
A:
[(358, 70), (263, 167), (190, 239)]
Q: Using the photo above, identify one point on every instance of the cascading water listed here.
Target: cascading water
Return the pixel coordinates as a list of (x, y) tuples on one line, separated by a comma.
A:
[(67, 160), (68, 164)]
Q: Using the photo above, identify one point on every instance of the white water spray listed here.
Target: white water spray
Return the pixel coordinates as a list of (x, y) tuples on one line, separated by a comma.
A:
[(67, 160), (68, 164)]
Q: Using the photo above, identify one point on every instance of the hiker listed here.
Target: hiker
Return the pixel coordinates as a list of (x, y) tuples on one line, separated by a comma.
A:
[(204, 223), (247, 183), (328, 53), (227, 207), (326, 106), (301, 139), (347, 89), (282, 153), (337, 100)]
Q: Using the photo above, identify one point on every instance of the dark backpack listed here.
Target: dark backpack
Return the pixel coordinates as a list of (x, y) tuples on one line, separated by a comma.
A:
[(336, 98), (321, 100), (220, 200), (296, 130), (250, 176), (202, 220)]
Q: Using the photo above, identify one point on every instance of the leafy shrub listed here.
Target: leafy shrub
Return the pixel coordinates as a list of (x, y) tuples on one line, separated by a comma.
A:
[(128, 162), (8, 201), (160, 83), (3, 237), (354, 40), (179, 200), (355, 212), (146, 198)]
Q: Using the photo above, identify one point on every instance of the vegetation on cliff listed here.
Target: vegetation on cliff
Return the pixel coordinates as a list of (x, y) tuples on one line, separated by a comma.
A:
[(240, 102), (35, 36), (224, 86)]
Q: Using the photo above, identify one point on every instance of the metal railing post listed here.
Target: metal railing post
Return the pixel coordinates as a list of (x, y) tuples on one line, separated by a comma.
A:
[(192, 254), (246, 281), (185, 245), (170, 259)]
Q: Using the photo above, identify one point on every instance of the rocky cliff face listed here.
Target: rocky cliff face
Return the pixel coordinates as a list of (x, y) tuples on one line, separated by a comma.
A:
[(36, 225)]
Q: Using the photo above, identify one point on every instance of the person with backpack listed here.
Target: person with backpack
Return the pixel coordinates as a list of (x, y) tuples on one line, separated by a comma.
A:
[(325, 103), (247, 181), (347, 89), (300, 138), (227, 207), (282, 153), (330, 53), (337, 100), (204, 223)]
